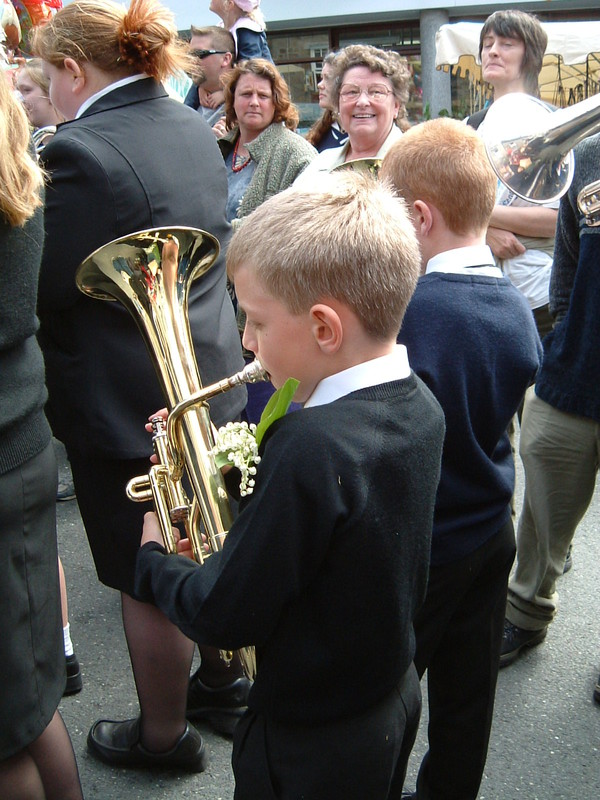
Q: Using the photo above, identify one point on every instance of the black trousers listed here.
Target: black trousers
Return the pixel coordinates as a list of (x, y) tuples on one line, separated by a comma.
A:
[(459, 634), (362, 757)]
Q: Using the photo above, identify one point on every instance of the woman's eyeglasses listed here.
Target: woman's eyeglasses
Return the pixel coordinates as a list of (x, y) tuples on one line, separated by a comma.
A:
[(377, 92)]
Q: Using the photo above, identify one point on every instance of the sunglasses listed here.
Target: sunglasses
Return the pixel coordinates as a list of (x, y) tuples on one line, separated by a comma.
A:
[(206, 53)]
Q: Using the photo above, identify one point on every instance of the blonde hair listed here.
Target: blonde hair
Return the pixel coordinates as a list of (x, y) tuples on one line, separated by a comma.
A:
[(389, 63), (33, 70), (221, 38), (347, 238), (20, 177), (285, 110), (254, 14), (142, 38), (444, 162)]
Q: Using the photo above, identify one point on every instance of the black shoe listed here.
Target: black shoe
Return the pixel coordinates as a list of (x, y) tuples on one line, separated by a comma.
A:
[(515, 639), (221, 707), (74, 680), (65, 491), (597, 690), (568, 560), (119, 743)]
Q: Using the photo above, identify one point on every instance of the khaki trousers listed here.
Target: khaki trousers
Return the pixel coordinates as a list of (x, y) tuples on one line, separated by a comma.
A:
[(560, 454)]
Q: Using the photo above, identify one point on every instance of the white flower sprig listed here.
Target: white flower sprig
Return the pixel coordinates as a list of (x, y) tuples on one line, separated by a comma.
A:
[(235, 444)]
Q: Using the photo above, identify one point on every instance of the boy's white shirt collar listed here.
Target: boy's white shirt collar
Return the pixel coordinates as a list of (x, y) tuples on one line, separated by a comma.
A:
[(464, 261), (107, 89), (392, 367)]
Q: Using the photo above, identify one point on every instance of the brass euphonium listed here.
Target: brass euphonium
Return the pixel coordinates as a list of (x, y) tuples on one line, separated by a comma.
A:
[(150, 273)]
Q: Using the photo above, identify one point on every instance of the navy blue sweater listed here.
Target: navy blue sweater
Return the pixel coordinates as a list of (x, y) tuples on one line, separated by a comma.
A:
[(472, 339), (570, 374)]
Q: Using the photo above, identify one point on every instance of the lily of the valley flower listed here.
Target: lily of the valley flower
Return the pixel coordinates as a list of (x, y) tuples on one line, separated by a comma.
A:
[(237, 443)]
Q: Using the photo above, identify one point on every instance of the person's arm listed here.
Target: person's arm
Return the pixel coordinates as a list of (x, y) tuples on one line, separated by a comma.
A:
[(566, 255), (509, 222), (503, 244), (77, 217), (534, 221), (273, 547)]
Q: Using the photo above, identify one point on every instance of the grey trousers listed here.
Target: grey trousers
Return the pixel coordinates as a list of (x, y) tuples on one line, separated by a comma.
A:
[(561, 454)]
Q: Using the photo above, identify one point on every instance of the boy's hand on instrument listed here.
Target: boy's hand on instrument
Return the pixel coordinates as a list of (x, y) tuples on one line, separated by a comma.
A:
[(160, 413), (184, 548), (163, 414), (151, 531)]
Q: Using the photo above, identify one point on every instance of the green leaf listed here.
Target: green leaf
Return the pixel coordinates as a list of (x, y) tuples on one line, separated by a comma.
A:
[(221, 460), (276, 407)]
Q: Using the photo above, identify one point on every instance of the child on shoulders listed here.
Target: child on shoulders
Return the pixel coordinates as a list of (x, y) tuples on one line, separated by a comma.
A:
[(245, 21)]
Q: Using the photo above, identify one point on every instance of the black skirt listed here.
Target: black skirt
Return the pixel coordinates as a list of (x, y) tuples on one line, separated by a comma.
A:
[(112, 522), (33, 658)]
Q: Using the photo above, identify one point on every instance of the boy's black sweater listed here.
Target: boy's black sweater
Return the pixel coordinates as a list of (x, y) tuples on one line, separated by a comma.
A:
[(326, 564)]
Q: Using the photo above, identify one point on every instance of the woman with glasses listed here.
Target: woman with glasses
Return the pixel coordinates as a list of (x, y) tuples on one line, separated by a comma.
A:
[(370, 91)]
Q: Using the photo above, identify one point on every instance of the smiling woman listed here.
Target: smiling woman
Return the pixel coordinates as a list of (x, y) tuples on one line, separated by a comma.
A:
[(370, 91)]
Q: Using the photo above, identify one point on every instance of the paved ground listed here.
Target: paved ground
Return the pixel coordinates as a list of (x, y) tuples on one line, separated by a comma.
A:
[(546, 735)]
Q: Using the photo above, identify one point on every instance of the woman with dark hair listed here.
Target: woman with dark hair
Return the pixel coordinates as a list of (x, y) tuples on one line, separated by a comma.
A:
[(36, 757), (130, 158), (326, 132), (521, 234)]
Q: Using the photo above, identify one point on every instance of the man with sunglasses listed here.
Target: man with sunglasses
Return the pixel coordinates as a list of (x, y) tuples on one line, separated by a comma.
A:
[(214, 48)]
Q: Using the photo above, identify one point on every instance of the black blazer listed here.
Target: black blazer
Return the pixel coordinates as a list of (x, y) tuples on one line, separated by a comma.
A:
[(135, 159)]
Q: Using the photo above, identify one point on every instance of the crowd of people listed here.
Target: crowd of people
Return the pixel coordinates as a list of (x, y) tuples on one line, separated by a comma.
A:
[(409, 304)]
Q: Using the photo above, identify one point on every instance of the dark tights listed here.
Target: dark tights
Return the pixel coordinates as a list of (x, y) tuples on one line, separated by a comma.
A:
[(161, 657), (45, 770)]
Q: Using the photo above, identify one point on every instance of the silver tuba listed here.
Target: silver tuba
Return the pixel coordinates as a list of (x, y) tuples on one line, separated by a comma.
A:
[(529, 145), (150, 273)]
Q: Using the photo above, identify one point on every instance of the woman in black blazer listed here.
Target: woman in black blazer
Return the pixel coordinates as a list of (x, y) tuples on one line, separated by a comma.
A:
[(128, 159)]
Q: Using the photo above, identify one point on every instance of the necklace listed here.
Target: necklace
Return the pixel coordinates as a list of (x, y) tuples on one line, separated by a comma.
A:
[(235, 166)]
